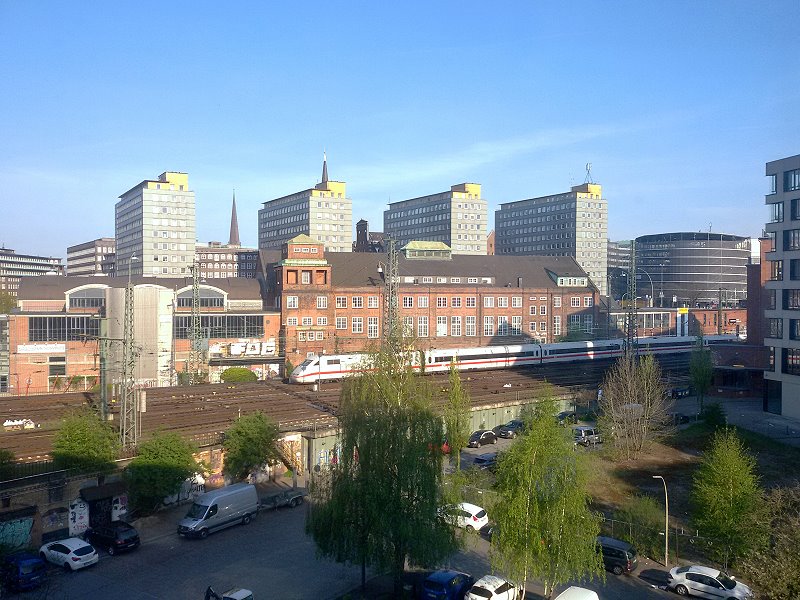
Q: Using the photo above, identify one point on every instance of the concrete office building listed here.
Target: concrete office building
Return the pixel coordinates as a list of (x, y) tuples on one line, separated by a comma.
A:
[(783, 287), (574, 224), (155, 223), (458, 218), (13, 267), (91, 258), (324, 213)]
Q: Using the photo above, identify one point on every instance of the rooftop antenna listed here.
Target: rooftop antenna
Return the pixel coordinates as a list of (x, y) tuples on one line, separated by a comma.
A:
[(588, 174)]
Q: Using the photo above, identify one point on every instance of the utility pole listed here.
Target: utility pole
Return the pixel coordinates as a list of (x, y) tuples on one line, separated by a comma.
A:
[(128, 429), (194, 329), (631, 314)]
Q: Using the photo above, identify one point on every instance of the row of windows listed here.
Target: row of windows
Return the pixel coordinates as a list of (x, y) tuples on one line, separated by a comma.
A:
[(221, 326), (442, 302), (62, 329), (205, 302)]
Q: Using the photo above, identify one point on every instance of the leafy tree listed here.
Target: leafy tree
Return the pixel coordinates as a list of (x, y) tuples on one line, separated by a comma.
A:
[(6, 460), (86, 443), (456, 415), (773, 567), (727, 497), (634, 405), (701, 371), (647, 521), (159, 468), (714, 416), (545, 528), (377, 505), (7, 302), (238, 375), (249, 443)]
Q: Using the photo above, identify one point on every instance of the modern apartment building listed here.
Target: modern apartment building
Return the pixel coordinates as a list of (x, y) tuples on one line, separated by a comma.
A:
[(91, 258), (155, 228), (574, 224), (15, 266), (324, 213), (458, 218), (783, 288)]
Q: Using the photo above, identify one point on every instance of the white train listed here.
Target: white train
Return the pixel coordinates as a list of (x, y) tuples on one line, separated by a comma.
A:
[(330, 367)]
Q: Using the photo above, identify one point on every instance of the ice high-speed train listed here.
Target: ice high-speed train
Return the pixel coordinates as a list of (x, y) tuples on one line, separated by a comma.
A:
[(329, 367)]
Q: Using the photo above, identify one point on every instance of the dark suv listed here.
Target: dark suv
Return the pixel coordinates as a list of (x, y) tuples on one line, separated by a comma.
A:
[(618, 556), (114, 537)]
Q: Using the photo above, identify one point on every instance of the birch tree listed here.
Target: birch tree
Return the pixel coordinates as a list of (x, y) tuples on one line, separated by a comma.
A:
[(456, 415)]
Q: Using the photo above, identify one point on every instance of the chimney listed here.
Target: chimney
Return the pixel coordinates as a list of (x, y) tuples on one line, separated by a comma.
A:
[(519, 282)]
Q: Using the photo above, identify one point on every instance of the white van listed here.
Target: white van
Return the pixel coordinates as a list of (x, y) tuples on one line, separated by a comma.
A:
[(218, 509), (577, 593)]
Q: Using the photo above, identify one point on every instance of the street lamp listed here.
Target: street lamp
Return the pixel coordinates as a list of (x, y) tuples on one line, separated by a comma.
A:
[(652, 287), (666, 520)]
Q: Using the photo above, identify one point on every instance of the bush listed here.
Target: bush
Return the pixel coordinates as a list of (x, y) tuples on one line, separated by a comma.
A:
[(238, 375), (714, 416), (288, 367), (647, 520)]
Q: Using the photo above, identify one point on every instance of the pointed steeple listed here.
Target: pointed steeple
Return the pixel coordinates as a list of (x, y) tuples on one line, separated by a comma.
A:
[(233, 240), (324, 168)]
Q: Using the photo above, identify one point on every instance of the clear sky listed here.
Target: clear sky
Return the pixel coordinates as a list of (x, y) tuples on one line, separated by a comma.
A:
[(676, 104)]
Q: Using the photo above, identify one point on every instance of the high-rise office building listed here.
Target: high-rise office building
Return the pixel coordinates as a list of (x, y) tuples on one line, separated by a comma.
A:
[(14, 267), (91, 258), (155, 228), (783, 287), (574, 223), (459, 218), (324, 213)]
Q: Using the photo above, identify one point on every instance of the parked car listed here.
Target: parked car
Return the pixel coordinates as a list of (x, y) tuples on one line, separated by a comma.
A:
[(465, 515), (618, 556), (587, 436), (218, 509), (71, 554), (511, 429), (486, 462), (574, 592), (481, 438), (678, 418), (231, 594), (706, 582), (446, 585), (289, 498), (117, 536), (491, 587), (566, 417), (22, 571)]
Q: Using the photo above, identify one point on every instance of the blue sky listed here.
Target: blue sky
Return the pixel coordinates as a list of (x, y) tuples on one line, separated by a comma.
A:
[(677, 105)]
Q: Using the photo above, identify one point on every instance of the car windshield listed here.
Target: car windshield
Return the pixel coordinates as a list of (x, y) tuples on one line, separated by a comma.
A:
[(198, 511), (476, 435), (682, 569), (480, 514), (479, 591), (434, 586), (27, 568), (83, 550), (126, 534), (726, 581)]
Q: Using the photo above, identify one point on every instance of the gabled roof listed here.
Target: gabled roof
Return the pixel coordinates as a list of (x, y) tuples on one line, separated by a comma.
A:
[(302, 238)]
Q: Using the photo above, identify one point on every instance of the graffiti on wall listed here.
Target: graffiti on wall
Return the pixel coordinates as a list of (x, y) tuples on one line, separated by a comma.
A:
[(55, 518), (16, 533), (78, 517), (190, 489)]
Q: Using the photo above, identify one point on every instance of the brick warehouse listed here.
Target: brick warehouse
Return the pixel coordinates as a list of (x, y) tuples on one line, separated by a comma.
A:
[(303, 301)]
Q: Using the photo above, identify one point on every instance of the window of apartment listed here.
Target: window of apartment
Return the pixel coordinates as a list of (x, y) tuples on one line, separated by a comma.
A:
[(341, 301), (588, 323), (771, 299), (358, 324), (341, 322), (422, 301), (307, 321), (455, 302), (791, 299), (470, 302), (322, 321), (488, 326), (516, 325), (488, 302), (291, 302), (791, 180), (532, 310), (372, 301), (575, 301), (469, 326), (408, 326), (794, 329), (472, 280), (795, 209), (357, 302), (794, 269), (441, 280), (455, 326), (556, 301), (542, 326), (372, 327), (556, 325), (588, 301), (543, 309), (772, 184), (301, 336), (422, 327), (776, 212), (441, 302), (791, 361), (455, 280), (320, 335), (408, 301), (305, 277), (791, 239), (516, 302), (776, 270), (322, 302), (427, 280), (502, 302), (502, 325), (441, 326), (775, 328)]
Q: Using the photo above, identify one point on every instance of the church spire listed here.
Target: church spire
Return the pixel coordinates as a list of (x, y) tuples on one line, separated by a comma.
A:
[(324, 167), (233, 240)]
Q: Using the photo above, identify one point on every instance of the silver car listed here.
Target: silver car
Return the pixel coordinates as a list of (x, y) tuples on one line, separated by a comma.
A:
[(707, 583)]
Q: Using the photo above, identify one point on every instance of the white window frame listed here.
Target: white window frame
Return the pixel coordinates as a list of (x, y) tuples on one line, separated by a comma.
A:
[(588, 301), (322, 321), (422, 326), (358, 324), (455, 326), (556, 301), (502, 302), (575, 301), (322, 302), (372, 327), (307, 321), (408, 301), (488, 326), (341, 322), (292, 302), (488, 302), (341, 301), (372, 302), (441, 326), (357, 302), (470, 327), (422, 302), (291, 321), (516, 301)]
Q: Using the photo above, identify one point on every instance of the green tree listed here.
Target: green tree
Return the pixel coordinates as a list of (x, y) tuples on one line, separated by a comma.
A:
[(701, 371), (727, 498), (7, 302), (647, 523), (456, 415), (238, 375), (86, 443), (773, 567), (161, 465), (249, 443), (6, 460), (545, 529), (377, 505)]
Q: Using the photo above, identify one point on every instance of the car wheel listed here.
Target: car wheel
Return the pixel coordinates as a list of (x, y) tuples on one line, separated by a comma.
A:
[(681, 590), (67, 568), (110, 550), (203, 534), (494, 441), (617, 570), (246, 520), (470, 529)]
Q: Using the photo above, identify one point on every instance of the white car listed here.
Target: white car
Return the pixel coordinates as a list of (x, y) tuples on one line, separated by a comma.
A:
[(465, 515), (707, 583), (491, 587), (71, 554)]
